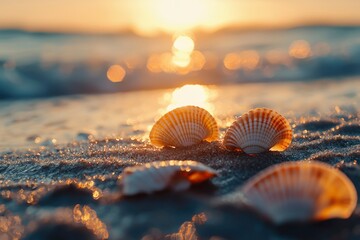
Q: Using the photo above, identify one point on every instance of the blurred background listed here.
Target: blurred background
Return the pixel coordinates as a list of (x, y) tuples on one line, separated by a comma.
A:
[(51, 48)]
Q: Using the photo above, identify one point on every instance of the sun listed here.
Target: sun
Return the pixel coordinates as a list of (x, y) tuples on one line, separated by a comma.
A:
[(181, 15)]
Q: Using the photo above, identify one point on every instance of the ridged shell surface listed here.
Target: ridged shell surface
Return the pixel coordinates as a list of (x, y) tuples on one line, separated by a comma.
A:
[(299, 192), (257, 131), (161, 175), (184, 126)]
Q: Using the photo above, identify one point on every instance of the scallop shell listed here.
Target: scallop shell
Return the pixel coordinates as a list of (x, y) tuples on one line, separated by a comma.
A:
[(184, 126), (302, 191), (157, 176), (258, 131)]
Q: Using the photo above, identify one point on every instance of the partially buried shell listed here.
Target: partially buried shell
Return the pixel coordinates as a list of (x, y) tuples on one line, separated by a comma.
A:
[(161, 175), (257, 131), (184, 126), (298, 192)]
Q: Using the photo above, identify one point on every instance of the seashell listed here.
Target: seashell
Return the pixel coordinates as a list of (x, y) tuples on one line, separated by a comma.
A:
[(257, 131), (302, 191), (187, 231), (161, 175), (184, 126)]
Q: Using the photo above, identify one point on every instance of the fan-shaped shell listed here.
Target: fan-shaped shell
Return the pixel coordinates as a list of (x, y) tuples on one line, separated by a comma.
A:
[(157, 176), (303, 191), (257, 131), (184, 126)]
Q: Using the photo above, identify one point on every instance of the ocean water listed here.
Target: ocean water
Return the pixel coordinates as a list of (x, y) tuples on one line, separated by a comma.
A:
[(49, 64)]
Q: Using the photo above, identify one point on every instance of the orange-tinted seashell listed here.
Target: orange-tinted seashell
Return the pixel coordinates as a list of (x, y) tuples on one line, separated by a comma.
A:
[(184, 126), (257, 131), (161, 175), (300, 192)]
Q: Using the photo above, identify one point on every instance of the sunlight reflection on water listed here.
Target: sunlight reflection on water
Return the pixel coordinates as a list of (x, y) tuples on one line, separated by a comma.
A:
[(300, 49), (116, 73), (182, 48), (247, 60), (182, 59)]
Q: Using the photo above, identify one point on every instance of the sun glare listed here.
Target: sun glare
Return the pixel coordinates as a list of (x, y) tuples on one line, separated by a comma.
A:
[(180, 15), (196, 95)]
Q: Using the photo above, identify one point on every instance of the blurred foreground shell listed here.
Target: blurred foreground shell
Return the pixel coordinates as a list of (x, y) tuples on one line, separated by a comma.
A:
[(184, 126), (257, 131), (299, 192), (157, 176)]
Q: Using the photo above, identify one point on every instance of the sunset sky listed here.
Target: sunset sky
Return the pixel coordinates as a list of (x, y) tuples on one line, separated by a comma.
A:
[(149, 16)]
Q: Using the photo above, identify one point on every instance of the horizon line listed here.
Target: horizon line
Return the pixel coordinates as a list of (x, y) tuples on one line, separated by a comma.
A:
[(195, 30)]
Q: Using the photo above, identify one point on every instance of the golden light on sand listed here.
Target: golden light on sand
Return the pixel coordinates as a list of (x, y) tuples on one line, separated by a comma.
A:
[(300, 49), (116, 73), (88, 217), (196, 95), (247, 60)]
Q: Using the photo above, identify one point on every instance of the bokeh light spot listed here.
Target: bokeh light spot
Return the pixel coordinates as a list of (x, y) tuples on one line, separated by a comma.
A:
[(181, 59), (300, 49), (247, 60), (198, 60), (231, 61), (116, 73), (153, 63), (183, 44)]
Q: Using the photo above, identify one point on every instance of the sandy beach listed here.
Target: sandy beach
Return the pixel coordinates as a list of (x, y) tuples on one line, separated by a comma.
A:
[(61, 157)]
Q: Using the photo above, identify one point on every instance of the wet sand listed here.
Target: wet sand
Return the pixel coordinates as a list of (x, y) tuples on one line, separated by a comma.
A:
[(69, 188)]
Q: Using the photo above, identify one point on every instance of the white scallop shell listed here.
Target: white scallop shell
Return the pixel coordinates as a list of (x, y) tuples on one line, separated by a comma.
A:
[(302, 191), (257, 131), (161, 175), (184, 126)]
